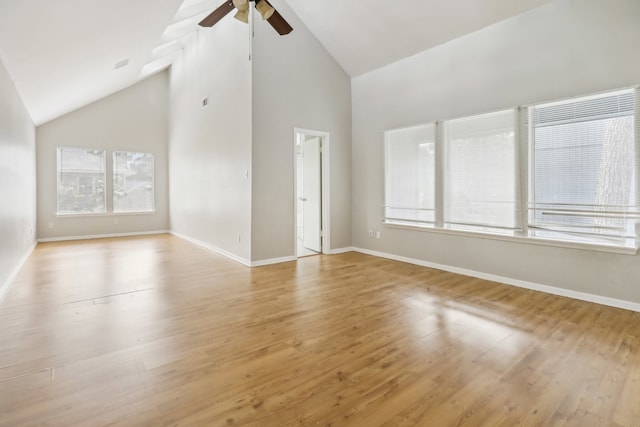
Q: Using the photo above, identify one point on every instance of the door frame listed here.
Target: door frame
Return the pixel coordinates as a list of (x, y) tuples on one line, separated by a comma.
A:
[(324, 191)]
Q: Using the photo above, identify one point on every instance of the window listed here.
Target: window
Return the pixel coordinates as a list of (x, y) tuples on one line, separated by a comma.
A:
[(480, 172), (583, 177), (133, 182), (410, 174), (81, 181), (569, 172)]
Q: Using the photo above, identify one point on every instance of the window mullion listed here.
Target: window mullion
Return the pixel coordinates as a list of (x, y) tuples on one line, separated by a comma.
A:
[(439, 178), (636, 142), (522, 157)]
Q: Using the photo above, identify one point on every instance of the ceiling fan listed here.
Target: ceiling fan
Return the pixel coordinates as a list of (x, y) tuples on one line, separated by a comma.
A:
[(263, 6)]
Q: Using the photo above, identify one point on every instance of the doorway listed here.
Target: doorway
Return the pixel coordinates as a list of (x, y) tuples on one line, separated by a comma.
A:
[(311, 190)]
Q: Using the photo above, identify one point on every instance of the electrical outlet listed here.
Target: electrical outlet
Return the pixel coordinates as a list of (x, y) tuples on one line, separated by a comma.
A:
[(378, 235), (116, 222), (51, 225), (370, 233), (238, 237)]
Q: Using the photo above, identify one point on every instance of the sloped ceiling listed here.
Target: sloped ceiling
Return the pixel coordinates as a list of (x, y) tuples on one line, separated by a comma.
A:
[(365, 35), (62, 54)]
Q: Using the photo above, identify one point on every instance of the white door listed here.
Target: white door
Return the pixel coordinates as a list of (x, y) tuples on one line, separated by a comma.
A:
[(311, 195)]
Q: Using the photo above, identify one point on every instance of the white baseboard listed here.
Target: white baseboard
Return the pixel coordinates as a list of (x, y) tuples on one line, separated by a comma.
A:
[(264, 262), (598, 299), (294, 258), (234, 256), (341, 250), (101, 236), (4, 287), (213, 248)]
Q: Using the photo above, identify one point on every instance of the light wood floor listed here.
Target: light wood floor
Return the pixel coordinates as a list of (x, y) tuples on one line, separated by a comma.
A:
[(154, 331)]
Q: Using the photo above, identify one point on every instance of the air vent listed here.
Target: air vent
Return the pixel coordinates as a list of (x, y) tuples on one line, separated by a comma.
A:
[(122, 63)]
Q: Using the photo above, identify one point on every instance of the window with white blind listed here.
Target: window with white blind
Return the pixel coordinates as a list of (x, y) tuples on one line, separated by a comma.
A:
[(480, 168), (584, 169), (410, 175), (569, 172), (133, 183), (81, 181)]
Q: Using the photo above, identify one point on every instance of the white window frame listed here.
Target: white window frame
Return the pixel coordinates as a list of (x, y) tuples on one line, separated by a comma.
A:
[(436, 212), (153, 183), (572, 209), (446, 150), (59, 151)]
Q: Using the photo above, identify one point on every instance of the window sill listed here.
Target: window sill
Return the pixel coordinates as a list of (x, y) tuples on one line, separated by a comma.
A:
[(520, 239), (92, 215), (134, 213)]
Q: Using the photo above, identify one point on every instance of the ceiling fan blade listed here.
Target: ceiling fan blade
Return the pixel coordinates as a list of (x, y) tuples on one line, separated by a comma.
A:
[(217, 14), (276, 20), (279, 24)]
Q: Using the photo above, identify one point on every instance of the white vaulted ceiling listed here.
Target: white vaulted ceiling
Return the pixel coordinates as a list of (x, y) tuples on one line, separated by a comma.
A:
[(62, 54), (365, 35)]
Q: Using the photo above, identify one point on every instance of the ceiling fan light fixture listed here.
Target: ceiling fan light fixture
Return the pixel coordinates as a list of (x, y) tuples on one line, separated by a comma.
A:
[(242, 15), (241, 4), (265, 9)]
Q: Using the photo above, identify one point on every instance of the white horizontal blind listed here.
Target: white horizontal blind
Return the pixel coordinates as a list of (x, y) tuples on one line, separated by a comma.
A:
[(410, 175), (81, 181), (583, 169), (480, 172)]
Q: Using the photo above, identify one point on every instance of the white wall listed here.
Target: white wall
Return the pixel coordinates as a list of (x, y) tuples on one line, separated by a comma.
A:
[(296, 83), (134, 119), (565, 48), (210, 149), (17, 180)]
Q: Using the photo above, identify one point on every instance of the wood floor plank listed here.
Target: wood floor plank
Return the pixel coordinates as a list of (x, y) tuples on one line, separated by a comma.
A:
[(156, 331)]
